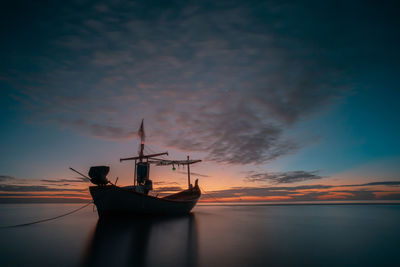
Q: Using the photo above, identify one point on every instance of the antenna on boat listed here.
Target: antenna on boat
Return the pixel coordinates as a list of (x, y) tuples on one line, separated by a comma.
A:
[(142, 136)]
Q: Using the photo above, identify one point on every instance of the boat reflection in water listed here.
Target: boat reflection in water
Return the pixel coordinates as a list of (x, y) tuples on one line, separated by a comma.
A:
[(143, 241)]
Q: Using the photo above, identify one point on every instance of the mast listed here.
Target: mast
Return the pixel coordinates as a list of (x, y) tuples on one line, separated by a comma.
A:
[(142, 139), (142, 163), (141, 175), (134, 174)]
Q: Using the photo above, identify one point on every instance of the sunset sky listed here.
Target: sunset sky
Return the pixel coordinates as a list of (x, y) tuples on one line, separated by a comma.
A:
[(282, 101)]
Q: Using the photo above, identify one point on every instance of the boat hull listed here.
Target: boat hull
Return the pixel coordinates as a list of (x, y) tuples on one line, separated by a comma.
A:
[(119, 200)]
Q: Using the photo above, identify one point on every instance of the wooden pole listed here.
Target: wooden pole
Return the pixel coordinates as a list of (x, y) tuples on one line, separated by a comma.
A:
[(148, 169), (134, 175), (80, 174), (188, 166)]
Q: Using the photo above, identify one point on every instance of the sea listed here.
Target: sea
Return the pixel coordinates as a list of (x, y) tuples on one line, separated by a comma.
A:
[(212, 235)]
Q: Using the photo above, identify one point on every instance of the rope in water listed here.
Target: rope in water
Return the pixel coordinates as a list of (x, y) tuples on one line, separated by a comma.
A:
[(49, 219), (75, 210)]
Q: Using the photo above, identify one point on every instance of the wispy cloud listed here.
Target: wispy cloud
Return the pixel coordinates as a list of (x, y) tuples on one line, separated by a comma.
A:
[(6, 178), (41, 194), (282, 177), (77, 180), (372, 191), (219, 78), (389, 183), (19, 190), (34, 188)]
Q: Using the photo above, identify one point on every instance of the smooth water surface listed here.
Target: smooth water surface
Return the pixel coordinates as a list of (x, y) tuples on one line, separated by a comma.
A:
[(285, 235)]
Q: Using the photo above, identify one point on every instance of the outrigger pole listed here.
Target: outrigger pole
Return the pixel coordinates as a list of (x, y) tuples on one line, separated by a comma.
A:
[(72, 169), (144, 156)]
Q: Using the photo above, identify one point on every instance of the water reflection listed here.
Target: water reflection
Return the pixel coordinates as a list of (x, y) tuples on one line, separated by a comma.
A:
[(143, 241)]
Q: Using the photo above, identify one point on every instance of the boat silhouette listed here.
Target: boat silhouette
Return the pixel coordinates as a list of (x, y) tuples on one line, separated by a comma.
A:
[(111, 199)]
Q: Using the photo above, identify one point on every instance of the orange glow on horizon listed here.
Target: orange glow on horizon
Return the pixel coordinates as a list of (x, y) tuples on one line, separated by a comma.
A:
[(246, 199), (226, 188)]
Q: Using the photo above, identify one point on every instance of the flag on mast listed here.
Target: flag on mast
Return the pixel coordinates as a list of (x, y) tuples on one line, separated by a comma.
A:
[(141, 133)]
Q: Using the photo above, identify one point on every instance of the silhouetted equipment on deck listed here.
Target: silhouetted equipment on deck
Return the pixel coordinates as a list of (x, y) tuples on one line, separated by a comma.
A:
[(148, 185), (142, 176), (142, 172), (98, 175)]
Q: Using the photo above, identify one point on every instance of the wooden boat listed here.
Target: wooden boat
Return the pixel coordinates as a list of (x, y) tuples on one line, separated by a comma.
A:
[(112, 199), (133, 200)]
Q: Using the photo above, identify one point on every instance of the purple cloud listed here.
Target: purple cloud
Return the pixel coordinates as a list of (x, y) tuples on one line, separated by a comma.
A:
[(210, 78)]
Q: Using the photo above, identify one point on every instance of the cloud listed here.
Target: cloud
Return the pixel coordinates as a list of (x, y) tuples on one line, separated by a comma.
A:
[(39, 199), (395, 196), (4, 195), (12, 184), (310, 192), (266, 191), (389, 183), (282, 177), (359, 194), (77, 180), (6, 178), (34, 188), (219, 78)]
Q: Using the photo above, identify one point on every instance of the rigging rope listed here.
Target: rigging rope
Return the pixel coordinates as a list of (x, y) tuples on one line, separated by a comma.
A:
[(221, 202), (48, 219), (210, 195), (149, 150)]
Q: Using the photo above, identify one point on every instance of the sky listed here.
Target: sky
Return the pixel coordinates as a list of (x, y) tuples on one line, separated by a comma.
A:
[(283, 101)]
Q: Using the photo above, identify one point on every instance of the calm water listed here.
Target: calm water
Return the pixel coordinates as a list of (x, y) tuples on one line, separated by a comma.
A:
[(301, 235)]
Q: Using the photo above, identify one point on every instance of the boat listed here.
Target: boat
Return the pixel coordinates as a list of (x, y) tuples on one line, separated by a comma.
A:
[(135, 199)]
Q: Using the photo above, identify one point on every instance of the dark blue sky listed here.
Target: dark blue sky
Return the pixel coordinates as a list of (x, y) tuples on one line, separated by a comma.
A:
[(253, 86)]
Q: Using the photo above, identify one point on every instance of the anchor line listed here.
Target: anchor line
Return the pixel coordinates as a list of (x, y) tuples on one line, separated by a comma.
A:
[(48, 219)]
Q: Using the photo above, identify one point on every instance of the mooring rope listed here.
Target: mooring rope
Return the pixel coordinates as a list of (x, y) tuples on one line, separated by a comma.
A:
[(48, 219)]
